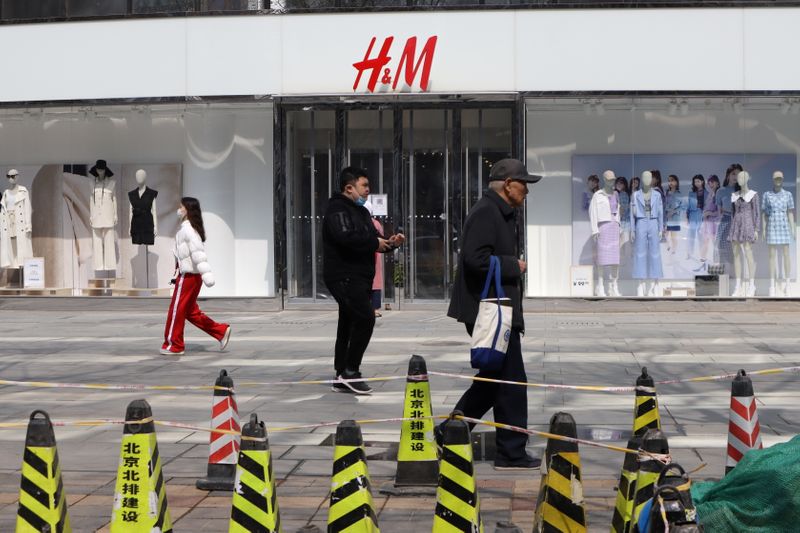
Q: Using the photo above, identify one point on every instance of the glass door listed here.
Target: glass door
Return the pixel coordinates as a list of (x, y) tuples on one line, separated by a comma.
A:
[(431, 162), (427, 150), (310, 182)]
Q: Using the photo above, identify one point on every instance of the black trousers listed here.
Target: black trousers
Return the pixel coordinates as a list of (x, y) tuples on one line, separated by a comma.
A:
[(356, 322), (510, 402)]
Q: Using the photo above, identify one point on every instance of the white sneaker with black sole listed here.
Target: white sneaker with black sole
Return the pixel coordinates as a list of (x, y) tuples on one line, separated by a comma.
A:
[(358, 387)]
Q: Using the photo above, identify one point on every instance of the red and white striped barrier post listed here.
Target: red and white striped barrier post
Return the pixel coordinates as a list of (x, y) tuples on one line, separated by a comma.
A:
[(224, 447), (744, 432)]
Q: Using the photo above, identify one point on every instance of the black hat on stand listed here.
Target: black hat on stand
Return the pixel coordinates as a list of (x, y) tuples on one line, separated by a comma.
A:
[(100, 165)]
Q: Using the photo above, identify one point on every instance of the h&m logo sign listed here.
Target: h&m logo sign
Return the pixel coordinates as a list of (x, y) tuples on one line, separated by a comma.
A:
[(405, 69)]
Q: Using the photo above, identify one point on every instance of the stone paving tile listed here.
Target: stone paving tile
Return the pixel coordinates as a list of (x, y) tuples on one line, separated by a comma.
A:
[(595, 343)]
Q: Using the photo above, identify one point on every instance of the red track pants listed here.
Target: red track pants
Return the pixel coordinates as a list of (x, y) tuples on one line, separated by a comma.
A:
[(184, 307)]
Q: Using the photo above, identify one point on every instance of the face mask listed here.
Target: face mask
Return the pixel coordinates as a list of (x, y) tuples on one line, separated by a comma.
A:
[(181, 213), (361, 201)]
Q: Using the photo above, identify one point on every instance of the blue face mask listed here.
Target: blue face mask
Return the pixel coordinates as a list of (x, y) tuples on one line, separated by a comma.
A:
[(360, 201)]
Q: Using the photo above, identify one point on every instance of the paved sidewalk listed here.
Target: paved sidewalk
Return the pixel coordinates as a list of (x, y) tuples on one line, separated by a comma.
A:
[(595, 344)]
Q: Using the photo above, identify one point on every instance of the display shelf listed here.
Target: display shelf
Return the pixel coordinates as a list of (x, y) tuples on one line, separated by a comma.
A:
[(124, 291), (51, 291)]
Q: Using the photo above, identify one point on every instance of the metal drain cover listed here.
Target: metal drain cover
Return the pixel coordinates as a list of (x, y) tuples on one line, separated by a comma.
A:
[(580, 324)]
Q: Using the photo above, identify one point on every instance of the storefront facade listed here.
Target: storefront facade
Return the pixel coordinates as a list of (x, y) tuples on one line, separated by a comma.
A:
[(254, 115)]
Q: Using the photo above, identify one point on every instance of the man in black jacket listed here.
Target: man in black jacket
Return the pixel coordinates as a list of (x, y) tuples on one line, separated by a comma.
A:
[(350, 242), (490, 229)]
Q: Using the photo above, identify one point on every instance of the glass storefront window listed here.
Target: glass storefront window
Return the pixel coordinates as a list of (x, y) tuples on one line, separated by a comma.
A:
[(697, 246), (82, 226)]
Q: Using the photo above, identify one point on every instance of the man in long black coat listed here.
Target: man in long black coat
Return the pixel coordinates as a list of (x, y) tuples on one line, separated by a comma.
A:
[(490, 230)]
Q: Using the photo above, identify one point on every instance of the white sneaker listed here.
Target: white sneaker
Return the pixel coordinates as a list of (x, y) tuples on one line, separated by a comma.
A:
[(772, 289), (164, 351), (751, 288), (785, 288), (614, 289), (653, 290), (600, 290), (223, 343), (737, 289), (640, 289)]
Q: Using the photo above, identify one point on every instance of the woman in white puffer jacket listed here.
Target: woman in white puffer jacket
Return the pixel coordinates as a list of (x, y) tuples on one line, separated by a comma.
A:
[(192, 271)]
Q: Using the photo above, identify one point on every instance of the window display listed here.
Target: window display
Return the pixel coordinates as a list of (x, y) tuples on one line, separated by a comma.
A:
[(691, 231), (86, 234)]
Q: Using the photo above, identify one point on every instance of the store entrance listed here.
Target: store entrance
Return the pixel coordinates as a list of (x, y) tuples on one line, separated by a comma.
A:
[(431, 163)]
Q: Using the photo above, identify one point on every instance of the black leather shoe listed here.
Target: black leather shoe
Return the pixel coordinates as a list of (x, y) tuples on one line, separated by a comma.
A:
[(524, 463)]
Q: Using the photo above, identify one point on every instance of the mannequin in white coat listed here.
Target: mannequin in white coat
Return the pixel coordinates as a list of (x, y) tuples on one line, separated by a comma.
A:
[(744, 232), (604, 215), (778, 229), (15, 224), (103, 216)]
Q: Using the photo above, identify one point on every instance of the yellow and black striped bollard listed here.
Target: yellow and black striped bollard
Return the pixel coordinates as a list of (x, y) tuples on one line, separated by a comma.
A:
[(42, 501), (626, 490), (645, 411), (255, 501), (560, 502), (351, 508), (140, 496), (651, 464), (457, 503)]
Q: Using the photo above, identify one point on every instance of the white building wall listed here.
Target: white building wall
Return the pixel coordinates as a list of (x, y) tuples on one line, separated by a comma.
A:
[(731, 49)]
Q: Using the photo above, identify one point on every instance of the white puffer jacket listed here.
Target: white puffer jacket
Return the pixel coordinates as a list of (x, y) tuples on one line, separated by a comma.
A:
[(191, 254)]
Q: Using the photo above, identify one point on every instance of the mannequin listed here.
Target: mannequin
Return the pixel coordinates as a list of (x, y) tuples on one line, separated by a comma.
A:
[(15, 224), (744, 232), (647, 223), (103, 216), (604, 217), (143, 218), (777, 226)]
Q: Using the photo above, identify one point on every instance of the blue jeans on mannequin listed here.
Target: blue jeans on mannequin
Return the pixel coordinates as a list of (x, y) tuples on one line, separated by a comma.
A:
[(510, 402)]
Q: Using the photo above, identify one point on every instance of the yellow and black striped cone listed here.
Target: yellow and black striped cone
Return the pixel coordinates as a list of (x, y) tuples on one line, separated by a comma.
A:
[(645, 410), (457, 503), (140, 497), (417, 458), (42, 501), (351, 507), (626, 490), (255, 501), (650, 466), (560, 502)]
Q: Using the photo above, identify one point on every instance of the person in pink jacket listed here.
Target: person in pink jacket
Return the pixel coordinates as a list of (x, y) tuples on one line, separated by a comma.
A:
[(377, 281), (192, 272)]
